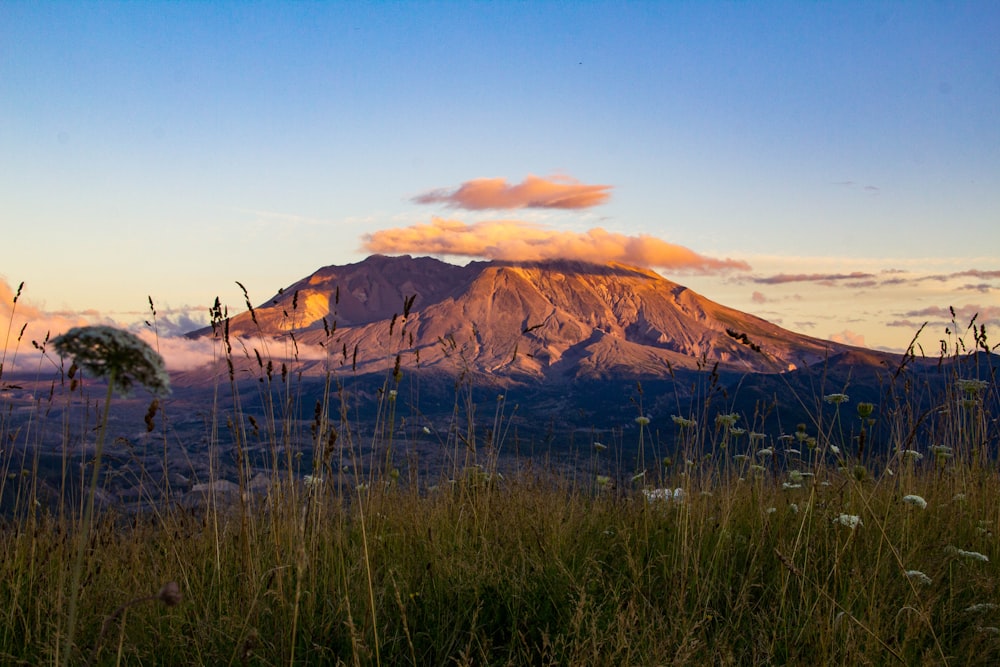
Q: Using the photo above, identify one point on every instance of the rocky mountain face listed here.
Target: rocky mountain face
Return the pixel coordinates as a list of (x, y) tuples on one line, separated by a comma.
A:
[(522, 322)]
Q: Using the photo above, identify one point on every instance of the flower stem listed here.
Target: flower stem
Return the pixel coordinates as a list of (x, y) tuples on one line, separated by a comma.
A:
[(84, 537)]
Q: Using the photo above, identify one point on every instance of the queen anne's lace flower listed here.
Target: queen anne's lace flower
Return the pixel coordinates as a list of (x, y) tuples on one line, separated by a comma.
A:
[(117, 355), (916, 501), (852, 521), (836, 399), (919, 577)]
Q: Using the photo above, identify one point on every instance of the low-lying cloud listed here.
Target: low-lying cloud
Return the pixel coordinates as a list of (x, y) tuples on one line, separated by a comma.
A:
[(533, 192), (822, 278), (522, 241)]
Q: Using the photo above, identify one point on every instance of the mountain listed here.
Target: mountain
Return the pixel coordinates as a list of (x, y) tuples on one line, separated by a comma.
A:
[(523, 322)]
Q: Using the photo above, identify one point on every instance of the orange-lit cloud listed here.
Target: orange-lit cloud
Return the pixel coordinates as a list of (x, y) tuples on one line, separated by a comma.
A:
[(534, 192), (522, 241), (30, 325), (848, 337)]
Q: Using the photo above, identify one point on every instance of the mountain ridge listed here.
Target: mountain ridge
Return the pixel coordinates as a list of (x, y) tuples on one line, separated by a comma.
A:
[(553, 320)]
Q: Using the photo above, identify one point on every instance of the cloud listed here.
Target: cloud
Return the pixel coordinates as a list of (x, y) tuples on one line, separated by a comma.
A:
[(823, 278), (963, 314), (31, 324), (757, 297), (971, 273), (521, 241), (848, 337), (534, 192)]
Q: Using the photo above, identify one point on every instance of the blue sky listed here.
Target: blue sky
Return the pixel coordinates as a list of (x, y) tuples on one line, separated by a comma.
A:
[(848, 153)]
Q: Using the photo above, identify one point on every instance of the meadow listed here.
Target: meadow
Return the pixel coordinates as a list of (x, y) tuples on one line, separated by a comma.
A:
[(733, 547)]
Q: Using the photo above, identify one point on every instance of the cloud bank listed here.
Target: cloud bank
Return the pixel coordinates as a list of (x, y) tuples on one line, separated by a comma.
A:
[(514, 240), (534, 192)]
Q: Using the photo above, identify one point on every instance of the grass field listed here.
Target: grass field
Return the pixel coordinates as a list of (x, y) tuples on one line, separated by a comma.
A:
[(738, 548)]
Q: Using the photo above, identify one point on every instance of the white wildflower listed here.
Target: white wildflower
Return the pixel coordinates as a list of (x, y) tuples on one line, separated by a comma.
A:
[(638, 476), (973, 555), (767, 451), (980, 608), (117, 355), (771, 510), (795, 476), (916, 501), (727, 420), (653, 495), (684, 422), (642, 421), (794, 507), (835, 449), (603, 480), (919, 577), (312, 480), (741, 458), (789, 485), (988, 629), (912, 455), (851, 521), (836, 399), (971, 387), (600, 446)]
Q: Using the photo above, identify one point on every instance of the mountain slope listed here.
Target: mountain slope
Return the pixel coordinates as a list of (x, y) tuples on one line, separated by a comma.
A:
[(555, 320)]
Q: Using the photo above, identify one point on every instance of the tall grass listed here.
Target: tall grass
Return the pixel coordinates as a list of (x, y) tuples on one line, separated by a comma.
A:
[(735, 547)]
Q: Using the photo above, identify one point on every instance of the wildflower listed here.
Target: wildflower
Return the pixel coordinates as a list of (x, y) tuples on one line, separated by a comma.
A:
[(392, 394), (737, 432), (727, 420), (912, 455), (980, 608), (786, 438), (427, 431), (851, 521), (835, 449), (988, 630), (919, 577), (771, 510), (684, 422), (603, 480), (865, 410), (836, 399), (740, 458), (971, 387), (312, 480), (757, 469), (664, 494), (756, 437), (117, 355), (767, 451), (795, 476), (600, 447), (793, 452), (642, 421), (794, 507), (973, 555), (916, 501), (170, 594), (790, 485), (941, 450), (638, 476)]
